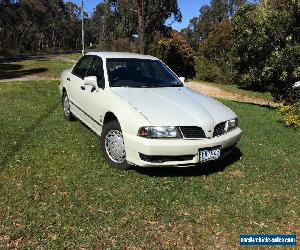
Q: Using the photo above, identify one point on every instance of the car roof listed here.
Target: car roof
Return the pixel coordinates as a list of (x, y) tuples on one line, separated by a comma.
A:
[(108, 54)]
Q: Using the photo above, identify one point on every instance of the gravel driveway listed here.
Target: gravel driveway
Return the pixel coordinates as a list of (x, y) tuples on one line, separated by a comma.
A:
[(220, 93)]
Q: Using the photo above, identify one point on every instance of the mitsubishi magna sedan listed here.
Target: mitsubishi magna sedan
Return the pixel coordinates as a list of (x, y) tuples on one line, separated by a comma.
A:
[(144, 114)]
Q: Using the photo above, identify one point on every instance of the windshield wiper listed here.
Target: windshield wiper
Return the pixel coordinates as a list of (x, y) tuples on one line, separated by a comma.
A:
[(151, 86), (146, 86), (176, 85)]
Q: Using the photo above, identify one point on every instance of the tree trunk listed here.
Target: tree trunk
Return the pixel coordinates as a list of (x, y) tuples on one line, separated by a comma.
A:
[(142, 24), (41, 40)]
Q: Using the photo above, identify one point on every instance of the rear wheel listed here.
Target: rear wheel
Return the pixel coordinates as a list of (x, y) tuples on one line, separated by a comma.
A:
[(113, 147), (66, 107)]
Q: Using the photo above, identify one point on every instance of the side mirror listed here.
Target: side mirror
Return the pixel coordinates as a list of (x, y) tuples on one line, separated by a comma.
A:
[(182, 79), (91, 81)]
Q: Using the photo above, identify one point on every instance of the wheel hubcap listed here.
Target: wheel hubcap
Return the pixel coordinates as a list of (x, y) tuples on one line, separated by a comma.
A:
[(66, 106), (114, 146)]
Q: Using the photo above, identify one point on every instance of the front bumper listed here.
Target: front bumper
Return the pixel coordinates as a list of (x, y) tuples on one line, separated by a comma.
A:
[(135, 146)]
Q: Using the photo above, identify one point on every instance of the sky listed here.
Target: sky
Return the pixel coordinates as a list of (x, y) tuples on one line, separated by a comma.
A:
[(189, 9)]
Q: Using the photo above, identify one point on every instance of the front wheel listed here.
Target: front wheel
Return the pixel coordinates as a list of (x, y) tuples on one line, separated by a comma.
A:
[(113, 147)]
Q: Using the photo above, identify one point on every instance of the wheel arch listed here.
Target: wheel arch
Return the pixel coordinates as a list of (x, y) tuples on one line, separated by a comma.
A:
[(109, 117), (112, 116)]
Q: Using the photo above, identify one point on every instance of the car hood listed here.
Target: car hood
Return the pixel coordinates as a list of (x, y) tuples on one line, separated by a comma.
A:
[(173, 106)]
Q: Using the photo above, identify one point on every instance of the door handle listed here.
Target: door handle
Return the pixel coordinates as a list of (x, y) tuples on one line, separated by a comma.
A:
[(68, 79), (82, 87)]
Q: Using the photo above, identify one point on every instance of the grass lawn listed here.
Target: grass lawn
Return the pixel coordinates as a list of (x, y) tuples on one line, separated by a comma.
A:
[(41, 66), (239, 90), (74, 56), (56, 191)]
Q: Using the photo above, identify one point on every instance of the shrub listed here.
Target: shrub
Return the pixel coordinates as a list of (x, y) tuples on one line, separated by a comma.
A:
[(175, 51), (266, 52), (209, 71), (291, 115), (119, 44), (214, 53)]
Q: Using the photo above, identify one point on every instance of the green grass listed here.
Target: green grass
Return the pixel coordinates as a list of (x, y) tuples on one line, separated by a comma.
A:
[(74, 56), (54, 66), (43, 67), (239, 90), (57, 192)]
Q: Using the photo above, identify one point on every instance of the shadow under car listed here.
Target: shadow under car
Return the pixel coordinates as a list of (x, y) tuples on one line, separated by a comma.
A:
[(230, 157)]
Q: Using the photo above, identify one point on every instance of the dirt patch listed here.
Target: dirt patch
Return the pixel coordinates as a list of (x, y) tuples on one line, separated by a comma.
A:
[(213, 91), (28, 78), (236, 173), (66, 59)]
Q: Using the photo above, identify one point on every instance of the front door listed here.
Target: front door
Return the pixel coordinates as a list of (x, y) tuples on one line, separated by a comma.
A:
[(76, 89), (94, 103)]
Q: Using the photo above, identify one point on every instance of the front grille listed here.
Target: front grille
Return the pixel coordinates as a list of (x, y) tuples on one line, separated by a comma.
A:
[(192, 132), (220, 129), (165, 158)]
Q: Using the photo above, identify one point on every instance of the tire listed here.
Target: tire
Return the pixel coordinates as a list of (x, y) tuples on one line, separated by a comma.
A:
[(66, 107), (112, 146)]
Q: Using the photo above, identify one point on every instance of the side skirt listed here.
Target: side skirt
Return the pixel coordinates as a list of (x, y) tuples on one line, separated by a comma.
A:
[(86, 118)]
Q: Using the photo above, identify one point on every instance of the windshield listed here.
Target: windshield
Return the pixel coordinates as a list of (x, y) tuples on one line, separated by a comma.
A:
[(140, 73)]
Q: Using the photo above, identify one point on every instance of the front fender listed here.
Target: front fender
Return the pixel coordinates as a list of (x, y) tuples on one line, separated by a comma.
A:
[(130, 118)]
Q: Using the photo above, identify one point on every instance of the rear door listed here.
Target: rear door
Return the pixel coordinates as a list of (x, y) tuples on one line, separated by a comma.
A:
[(75, 86)]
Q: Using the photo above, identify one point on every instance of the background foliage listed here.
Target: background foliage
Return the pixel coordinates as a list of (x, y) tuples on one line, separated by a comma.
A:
[(175, 51), (266, 51)]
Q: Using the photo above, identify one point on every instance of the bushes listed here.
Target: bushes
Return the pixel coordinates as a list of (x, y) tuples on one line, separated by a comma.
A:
[(119, 44), (175, 51), (212, 63), (291, 115), (210, 72), (266, 52), (291, 111)]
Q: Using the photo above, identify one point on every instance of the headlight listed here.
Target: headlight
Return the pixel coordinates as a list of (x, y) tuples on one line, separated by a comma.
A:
[(232, 124), (159, 132)]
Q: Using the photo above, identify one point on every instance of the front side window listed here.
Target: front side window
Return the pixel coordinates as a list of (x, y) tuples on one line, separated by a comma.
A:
[(96, 69), (140, 73), (81, 66)]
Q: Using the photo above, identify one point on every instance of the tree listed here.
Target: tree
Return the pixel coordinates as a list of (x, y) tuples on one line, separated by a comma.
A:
[(175, 51), (218, 44), (212, 36), (214, 54), (9, 19), (266, 54), (218, 11), (146, 16), (191, 33), (109, 25), (73, 39), (31, 25)]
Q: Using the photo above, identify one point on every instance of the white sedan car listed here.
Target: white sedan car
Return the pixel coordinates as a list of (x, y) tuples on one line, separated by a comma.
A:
[(144, 114)]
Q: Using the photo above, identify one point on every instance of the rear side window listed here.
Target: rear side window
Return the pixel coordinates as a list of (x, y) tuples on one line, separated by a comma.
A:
[(96, 69), (81, 66)]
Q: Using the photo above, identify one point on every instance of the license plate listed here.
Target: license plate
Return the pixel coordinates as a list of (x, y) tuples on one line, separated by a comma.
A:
[(209, 154)]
